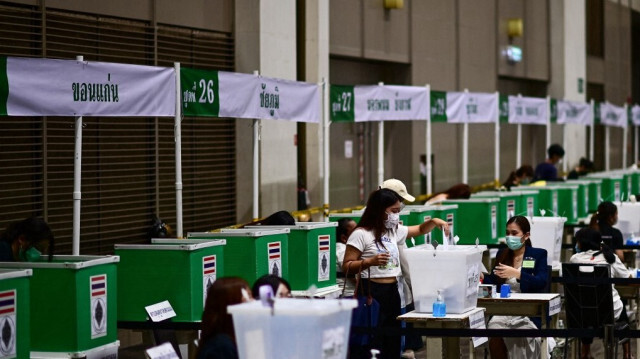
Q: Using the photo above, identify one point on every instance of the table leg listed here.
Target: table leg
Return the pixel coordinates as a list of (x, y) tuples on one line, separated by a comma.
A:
[(434, 347), (544, 348), (451, 346)]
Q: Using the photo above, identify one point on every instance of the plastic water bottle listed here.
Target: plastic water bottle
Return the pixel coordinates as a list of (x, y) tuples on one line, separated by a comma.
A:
[(439, 307)]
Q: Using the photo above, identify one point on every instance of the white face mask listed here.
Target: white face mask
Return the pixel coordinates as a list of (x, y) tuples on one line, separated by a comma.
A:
[(392, 221)]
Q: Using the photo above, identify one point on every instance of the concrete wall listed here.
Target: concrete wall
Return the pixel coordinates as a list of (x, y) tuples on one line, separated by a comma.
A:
[(202, 14), (266, 38)]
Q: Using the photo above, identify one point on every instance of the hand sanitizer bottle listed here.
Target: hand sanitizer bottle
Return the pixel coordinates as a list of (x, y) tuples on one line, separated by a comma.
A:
[(439, 307)]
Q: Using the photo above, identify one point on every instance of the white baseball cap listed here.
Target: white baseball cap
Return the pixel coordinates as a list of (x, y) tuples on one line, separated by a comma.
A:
[(398, 187)]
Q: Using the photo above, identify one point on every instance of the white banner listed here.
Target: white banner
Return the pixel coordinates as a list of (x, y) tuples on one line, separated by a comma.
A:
[(528, 110), (471, 107), (384, 103), (250, 96), (611, 115), (635, 115), (45, 87), (574, 112)]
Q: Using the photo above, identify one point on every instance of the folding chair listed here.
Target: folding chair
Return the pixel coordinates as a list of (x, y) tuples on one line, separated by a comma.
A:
[(589, 305)]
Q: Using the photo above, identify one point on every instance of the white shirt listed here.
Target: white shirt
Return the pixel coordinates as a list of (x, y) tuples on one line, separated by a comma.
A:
[(364, 241), (618, 270)]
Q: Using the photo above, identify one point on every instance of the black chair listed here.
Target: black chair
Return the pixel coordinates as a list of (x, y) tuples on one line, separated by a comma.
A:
[(588, 305)]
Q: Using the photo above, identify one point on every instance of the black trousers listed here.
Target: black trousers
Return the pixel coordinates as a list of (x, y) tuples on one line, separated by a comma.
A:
[(389, 298)]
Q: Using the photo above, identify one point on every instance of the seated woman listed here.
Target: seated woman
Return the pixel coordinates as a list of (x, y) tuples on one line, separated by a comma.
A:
[(522, 175), (280, 287), (524, 269), (603, 221), (459, 191), (218, 339), (26, 240), (591, 250)]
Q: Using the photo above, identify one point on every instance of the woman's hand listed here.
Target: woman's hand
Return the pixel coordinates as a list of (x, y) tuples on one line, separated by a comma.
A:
[(443, 225), (505, 271), (380, 259)]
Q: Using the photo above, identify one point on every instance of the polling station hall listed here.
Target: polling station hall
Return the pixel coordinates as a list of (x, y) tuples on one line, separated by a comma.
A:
[(330, 179)]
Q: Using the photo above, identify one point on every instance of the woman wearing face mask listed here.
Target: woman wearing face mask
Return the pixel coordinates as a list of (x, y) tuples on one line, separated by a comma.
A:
[(26, 240), (524, 269), (590, 249), (373, 246)]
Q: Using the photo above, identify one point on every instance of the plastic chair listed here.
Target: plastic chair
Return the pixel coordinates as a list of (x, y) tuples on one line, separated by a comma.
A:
[(589, 306)]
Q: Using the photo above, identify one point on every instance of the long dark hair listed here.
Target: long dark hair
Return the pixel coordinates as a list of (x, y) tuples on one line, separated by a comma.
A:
[(459, 191), (524, 170), (606, 211), (590, 239), (374, 214), (33, 230), (215, 319), (506, 256)]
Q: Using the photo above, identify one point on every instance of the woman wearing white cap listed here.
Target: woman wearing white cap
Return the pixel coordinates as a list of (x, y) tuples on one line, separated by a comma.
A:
[(374, 247)]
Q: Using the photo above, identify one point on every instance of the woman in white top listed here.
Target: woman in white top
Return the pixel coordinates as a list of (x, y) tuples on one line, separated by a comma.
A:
[(591, 250), (373, 246)]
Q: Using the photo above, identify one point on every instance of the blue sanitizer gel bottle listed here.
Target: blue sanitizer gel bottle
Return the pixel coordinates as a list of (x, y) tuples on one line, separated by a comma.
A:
[(439, 307)]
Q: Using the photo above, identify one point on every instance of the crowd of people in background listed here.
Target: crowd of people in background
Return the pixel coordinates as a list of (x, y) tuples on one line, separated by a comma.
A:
[(373, 248)]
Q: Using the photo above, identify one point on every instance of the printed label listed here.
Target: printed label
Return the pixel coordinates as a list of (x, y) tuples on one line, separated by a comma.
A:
[(160, 311), (616, 190), (450, 223), (574, 201), (324, 249), (208, 275), (555, 306), (427, 237), (8, 310), (530, 206), (494, 222), (98, 288), (511, 208), (554, 203), (476, 321), (275, 258)]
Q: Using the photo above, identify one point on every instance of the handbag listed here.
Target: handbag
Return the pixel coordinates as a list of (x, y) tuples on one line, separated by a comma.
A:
[(366, 313)]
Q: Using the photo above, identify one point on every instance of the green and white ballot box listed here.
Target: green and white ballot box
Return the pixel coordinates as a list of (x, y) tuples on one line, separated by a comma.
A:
[(15, 313), (477, 218), (447, 212), (418, 215), (509, 206), (73, 307), (567, 200), (252, 253), (528, 203), (584, 196), (595, 192), (612, 186), (547, 198), (312, 255), (177, 270)]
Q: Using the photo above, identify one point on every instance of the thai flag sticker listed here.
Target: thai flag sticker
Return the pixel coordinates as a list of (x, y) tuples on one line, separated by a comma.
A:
[(98, 284), (8, 324), (208, 275), (275, 262), (324, 250)]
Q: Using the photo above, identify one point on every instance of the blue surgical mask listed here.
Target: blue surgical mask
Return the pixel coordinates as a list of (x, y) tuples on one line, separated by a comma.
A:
[(514, 242), (525, 181), (577, 249), (392, 221), (30, 255)]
